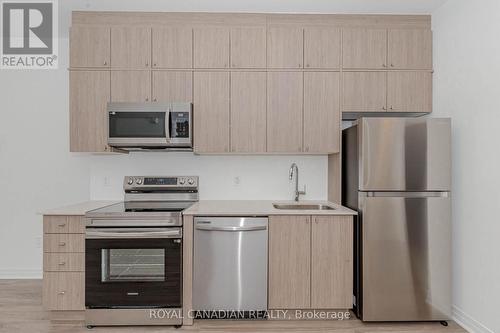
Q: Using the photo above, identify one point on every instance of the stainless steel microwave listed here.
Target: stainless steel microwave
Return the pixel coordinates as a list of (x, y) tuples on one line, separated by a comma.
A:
[(150, 125)]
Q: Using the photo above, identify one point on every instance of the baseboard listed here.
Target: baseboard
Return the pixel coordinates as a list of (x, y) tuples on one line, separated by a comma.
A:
[(20, 274), (468, 323)]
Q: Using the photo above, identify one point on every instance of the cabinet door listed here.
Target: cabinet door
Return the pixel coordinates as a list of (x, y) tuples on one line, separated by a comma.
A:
[(285, 47), (321, 112), (64, 290), (130, 86), (130, 47), (89, 47), (211, 112), (365, 91), (172, 86), (248, 112), (364, 48), (322, 47), (284, 111), (332, 262), (409, 91), (248, 47), (172, 47), (211, 47), (89, 94), (289, 262), (410, 48)]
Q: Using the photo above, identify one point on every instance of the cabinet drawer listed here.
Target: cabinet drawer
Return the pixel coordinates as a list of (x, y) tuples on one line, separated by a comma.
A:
[(64, 291), (64, 262), (63, 224), (64, 243)]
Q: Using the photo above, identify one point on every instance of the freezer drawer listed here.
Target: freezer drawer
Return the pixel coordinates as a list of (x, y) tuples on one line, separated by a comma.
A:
[(230, 264), (404, 154), (406, 257)]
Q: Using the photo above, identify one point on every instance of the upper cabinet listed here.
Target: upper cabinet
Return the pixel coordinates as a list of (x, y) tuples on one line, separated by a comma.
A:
[(131, 47), (130, 86), (248, 47), (285, 47), (89, 93), (211, 109), (284, 111), (409, 91), (90, 47), (172, 86), (211, 47), (322, 112), (365, 92), (322, 47), (172, 47), (364, 48), (410, 49)]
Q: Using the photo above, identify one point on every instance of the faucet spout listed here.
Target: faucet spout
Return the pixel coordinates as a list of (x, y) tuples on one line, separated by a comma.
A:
[(294, 170)]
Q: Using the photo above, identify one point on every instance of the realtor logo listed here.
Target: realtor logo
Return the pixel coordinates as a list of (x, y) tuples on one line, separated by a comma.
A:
[(29, 31)]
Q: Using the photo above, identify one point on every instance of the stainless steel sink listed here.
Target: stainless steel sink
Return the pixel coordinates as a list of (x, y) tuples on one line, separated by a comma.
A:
[(303, 206)]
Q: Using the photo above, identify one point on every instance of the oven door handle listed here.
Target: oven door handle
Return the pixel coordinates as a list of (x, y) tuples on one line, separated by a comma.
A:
[(236, 229), (95, 233)]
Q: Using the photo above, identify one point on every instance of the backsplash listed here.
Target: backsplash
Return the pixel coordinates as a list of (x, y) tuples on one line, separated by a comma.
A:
[(221, 177)]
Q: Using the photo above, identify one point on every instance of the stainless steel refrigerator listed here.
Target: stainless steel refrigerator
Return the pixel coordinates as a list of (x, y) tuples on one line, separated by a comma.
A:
[(397, 173)]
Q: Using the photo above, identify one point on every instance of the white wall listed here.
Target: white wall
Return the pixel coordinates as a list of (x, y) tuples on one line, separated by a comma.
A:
[(466, 88)]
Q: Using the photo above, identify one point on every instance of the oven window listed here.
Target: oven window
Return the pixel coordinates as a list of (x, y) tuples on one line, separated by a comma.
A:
[(132, 265), (137, 125)]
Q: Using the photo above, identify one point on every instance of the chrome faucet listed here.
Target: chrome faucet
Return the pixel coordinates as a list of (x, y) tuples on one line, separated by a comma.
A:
[(294, 169)]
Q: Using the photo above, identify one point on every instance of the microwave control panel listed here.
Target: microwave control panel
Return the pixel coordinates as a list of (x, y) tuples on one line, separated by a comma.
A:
[(179, 124)]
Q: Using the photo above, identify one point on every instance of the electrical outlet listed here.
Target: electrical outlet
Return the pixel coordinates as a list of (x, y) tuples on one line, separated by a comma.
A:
[(38, 242)]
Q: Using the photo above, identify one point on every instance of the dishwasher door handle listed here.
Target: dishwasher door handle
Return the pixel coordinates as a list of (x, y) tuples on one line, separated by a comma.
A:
[(235, 229)]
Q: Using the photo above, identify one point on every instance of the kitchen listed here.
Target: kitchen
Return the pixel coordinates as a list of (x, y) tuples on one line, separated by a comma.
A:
[(240, 173)]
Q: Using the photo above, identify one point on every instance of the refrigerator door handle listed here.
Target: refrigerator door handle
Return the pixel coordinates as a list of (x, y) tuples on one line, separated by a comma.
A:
[(424, 194)]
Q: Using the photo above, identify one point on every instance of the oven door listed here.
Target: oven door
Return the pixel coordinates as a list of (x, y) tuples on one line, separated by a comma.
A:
[(133, 267), (138, 125)]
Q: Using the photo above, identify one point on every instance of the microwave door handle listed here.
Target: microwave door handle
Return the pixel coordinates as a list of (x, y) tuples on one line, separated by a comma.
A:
[(167, 125)]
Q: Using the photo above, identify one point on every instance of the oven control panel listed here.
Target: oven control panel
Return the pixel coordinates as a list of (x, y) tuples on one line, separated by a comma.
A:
[(137, 182)]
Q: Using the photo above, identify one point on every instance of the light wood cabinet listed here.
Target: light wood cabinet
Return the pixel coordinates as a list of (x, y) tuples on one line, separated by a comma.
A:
[(172, 47), (364, 91), (64, 262), (90, 46), (248, 112), (284, 111), (131, 86), (211, 109), (322, 47), (64, 243), (410, 49), (364, 48), (64, 291), (331, 262), (131, 47), (289, 262), (322, 112), (248, 47), (55, 224), (211, 47), (89, 93), (170, 86), (285, 47), (409, 91)]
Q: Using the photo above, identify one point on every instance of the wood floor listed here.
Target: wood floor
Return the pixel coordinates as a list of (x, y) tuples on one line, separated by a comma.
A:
[(21, 311)]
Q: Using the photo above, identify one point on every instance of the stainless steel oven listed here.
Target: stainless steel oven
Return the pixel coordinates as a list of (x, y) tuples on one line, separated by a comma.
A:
[(150, 125), (133, 253)]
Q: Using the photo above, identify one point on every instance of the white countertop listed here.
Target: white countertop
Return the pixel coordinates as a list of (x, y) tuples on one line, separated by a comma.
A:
[(79, 208), (259, 208)]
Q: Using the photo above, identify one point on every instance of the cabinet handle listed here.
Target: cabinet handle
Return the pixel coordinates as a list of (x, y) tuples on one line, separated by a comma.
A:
[(307, 148), (147, 99), (154, 100), (384, 108), (392, 65), (384, 65), (105, 63), (300, 65), (154, 65), (308, 65), (147, 64), (62, 244), (391, 107), (61, 225), (61, 293), (62, 263)]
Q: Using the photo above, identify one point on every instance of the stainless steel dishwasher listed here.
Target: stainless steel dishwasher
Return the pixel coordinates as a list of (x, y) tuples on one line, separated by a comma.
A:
[(230, 264)]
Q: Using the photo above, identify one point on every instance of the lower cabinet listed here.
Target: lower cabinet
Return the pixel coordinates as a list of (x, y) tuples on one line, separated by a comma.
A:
[(63, 263), (310, 262)]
